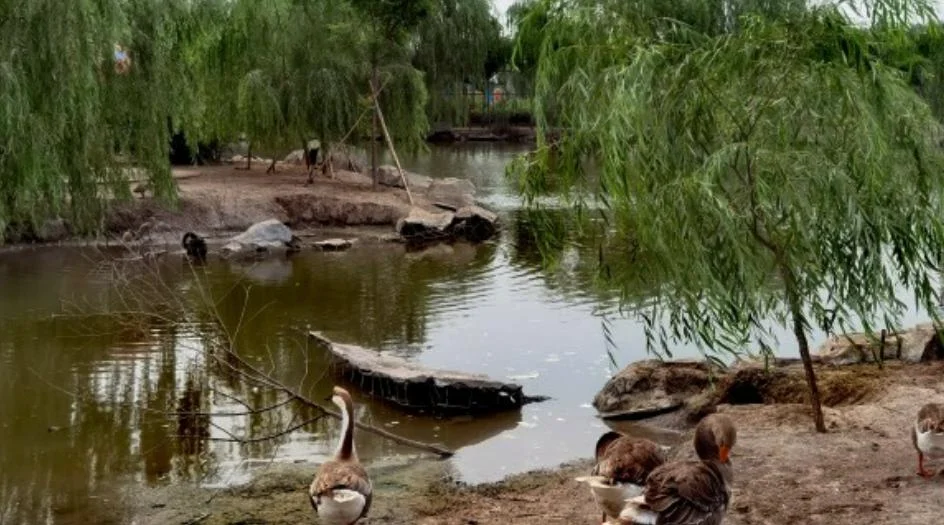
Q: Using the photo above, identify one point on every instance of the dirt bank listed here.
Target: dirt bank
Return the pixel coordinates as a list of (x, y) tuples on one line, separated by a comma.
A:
[(219, 200), (862, 471)]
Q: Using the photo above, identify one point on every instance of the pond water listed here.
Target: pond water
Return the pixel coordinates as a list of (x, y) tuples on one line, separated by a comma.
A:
[(89, 386)]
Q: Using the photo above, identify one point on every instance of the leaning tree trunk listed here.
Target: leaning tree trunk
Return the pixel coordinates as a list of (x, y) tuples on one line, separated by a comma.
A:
[(799, 330)]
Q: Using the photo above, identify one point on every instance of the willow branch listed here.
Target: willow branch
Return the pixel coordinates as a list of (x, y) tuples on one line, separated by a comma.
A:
[(294, 394)]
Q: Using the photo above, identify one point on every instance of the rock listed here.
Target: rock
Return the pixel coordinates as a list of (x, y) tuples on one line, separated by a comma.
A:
[(390, 176), (475, 223), (452, 191), (920, 343), (296, 157), (266, 235), (651, 387), (424, 225), (334, 245), (343, 157), (53, 230)]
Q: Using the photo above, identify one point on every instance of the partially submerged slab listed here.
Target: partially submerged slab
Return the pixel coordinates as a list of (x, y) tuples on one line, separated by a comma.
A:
[(418, 388)]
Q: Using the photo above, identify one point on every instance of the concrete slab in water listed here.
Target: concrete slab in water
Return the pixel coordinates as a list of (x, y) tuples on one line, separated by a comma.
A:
[(423, 389)]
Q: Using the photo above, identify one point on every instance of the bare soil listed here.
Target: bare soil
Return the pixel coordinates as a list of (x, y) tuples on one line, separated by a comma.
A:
[(861, 472), (217, 201)]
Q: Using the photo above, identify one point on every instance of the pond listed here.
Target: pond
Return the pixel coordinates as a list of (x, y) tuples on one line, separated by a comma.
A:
[(89, 386)]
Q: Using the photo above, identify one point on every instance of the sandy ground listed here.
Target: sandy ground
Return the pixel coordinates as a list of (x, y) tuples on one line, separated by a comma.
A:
[(217, 201), (861, 472)]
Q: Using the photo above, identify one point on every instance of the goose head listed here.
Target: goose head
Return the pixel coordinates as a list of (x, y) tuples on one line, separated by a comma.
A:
[(715, 436)]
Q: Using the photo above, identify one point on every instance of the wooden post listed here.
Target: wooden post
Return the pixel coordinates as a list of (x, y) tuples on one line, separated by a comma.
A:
[(373, 131), (393, 151)]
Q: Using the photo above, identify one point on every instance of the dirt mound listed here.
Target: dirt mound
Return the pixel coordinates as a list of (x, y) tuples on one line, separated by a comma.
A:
[(837, 386)]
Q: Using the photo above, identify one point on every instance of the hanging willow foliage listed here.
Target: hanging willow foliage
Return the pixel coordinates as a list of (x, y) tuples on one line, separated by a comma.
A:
[(65, 112), (778, 169), (92, 88)]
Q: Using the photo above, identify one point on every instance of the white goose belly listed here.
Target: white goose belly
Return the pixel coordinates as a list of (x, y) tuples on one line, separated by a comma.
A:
[(343, 507), (930, 443)]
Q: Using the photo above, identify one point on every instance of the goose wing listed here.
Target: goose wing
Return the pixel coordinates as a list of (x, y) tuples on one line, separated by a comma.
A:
[(338, 475), (687, 493), (628, 460)]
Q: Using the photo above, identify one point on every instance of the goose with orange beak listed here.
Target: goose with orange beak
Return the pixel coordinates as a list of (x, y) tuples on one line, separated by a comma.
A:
[(689, 492)]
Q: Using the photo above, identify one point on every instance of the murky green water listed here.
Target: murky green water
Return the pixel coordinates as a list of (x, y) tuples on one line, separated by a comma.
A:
[(110, 384)]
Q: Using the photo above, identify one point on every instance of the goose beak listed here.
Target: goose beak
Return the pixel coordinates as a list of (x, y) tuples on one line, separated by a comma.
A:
[(724, 454), (328, 399)]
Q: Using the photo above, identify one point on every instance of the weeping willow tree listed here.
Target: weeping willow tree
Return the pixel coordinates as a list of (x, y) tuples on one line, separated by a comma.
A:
[(282, 72), (461, 42), (779, 149), (66, 112), (390, 25)]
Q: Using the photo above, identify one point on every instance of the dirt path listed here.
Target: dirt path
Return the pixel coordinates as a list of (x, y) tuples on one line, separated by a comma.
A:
[(861, 472)]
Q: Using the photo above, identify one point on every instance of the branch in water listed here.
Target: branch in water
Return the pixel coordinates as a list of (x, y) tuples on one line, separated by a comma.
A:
[(419, 445)]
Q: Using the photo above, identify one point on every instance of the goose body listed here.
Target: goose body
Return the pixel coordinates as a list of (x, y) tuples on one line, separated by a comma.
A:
[(689, 492), (341, 492), (927, 435), (622, 464)]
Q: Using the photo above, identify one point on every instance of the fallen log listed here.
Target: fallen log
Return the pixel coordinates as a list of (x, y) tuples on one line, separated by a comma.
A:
[(417, 388)]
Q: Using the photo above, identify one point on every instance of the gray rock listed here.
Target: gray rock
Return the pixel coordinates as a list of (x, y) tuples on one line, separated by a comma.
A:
[(651, 387), (390, 176), (266, 235), (334, 245), (53, 230), (295, 157), (424, 225), (920, 343), (452, 191), (475, 223)]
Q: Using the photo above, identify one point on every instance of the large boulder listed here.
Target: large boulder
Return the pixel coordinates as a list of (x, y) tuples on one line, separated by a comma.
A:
[(920, 343), (297, 157), (651, 387), (344, 158), (271, 234), (53, 230), (474, 223), (452, 191), (422, 225), (390, 176)]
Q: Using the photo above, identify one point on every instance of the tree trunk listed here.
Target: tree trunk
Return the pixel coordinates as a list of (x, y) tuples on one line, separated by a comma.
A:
[(373, 130), (249, 157), (799, 330)]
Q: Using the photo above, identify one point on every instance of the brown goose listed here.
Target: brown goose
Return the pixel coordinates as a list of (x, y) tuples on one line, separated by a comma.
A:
[(622, 464), (689, 492), (341, 491), (927, 435)]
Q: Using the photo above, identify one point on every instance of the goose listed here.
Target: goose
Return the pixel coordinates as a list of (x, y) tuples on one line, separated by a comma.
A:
[(927, 435), (195, 246), (689, 492), (341, 492), (621, 466)]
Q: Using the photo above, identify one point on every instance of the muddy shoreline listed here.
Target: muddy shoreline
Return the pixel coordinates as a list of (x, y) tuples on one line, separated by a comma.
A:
[(861, 471), (220, 201)]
